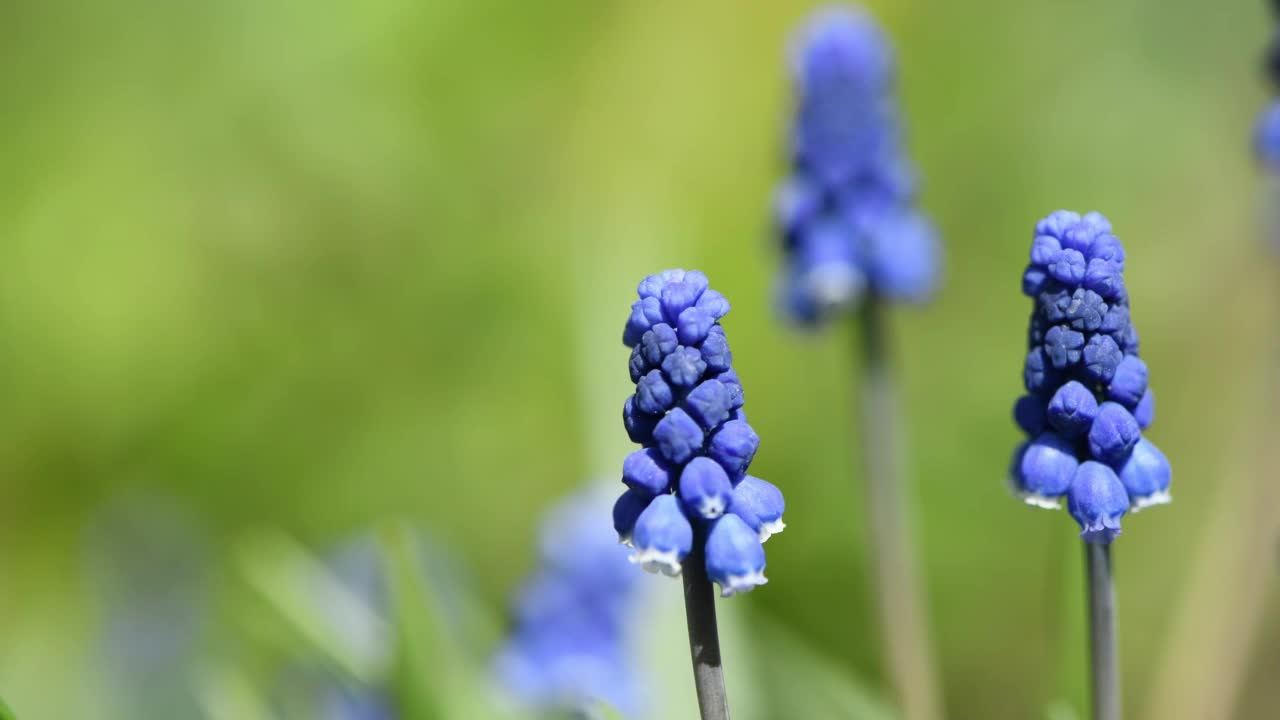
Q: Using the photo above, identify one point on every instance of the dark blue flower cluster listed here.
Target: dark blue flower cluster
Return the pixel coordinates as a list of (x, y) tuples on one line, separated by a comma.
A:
[(1087, 398), (690, 477), (847, 213), (568, 647)]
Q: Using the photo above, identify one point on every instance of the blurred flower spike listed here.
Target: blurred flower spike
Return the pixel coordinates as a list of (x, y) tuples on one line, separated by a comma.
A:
[(688, 487), (846, 214), (568, 648), (1087, 398)]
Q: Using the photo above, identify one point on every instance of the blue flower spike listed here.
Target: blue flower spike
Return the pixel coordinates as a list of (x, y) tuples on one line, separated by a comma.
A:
[(847, 214), (688, 490), (1088, 398), (569, 646)]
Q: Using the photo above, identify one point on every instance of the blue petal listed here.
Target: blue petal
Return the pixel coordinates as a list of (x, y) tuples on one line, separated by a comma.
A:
[(705, 488), (653, 395), (1113, 435), (760, 505), (715, 351), (626, 510), (735, 557), (1146, 476), (693, 325), (1047, 466), (647, 470), (684, 367), (1072, 409), (658, 342), (662, 537), (1129, 383), (678, 436), (1097, 500), (733, 446), (1146, 410), (639, 424), (1029, 414), (708, 404)]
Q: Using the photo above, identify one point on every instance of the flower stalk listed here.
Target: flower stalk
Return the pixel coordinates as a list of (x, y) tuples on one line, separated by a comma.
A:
[(704, 640), (1104, 650), (903, 618)]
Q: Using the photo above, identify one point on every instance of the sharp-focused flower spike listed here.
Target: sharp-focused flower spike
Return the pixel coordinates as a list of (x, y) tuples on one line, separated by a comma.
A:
[(690, 475), (735, 557), (1088, 398), (569, 646), (846, 214), (1097, 500)]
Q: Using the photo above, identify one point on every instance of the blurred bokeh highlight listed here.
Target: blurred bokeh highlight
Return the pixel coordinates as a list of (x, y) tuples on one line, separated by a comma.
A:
[(277, 273)]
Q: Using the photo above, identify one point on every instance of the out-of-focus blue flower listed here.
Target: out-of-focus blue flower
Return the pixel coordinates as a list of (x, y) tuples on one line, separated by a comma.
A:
[(568, 647), (1266, 137), (690, 474), (1087, 399), (847, 213)]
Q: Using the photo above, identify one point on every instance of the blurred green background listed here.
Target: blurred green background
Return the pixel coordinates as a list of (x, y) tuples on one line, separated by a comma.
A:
[(314, 266)]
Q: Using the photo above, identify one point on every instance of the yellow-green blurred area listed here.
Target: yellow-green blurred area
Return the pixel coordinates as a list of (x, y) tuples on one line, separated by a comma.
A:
[(313, 267)]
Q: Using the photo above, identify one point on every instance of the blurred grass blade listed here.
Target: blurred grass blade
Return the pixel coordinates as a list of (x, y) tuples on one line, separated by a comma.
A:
[(5, 712), (315, 603), (225, 694), (435, 675), (803, 683), (414, 683)]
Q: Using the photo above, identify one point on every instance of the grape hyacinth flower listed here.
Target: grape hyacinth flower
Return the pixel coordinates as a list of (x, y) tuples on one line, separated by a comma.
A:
[(1087, 402), (1087, 398), (690, 507), (568, 648), (846, 214), (853, 238)]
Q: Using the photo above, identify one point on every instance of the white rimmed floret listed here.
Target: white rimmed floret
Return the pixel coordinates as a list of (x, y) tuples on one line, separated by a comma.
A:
[(734, 584), (769, 529), (657, 561), (1160, 497)]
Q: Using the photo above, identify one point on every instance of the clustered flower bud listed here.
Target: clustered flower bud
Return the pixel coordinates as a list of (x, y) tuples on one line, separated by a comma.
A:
[(687, 486), (847, 214), (1087, 398)]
